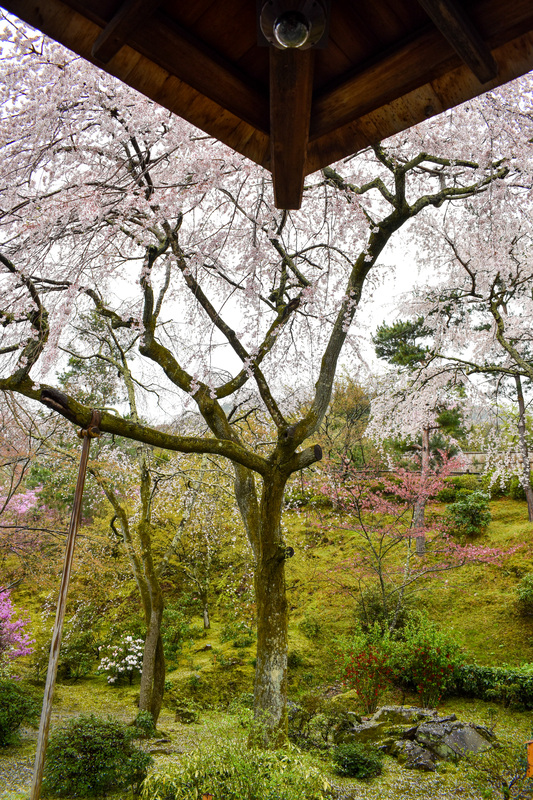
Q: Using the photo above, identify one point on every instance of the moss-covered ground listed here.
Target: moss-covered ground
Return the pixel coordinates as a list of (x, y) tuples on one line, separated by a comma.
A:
[(477, 604)]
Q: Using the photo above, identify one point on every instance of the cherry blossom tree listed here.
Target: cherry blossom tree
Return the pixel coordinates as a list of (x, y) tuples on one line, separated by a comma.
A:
[(476, 312), (401, 345), (111, 204)]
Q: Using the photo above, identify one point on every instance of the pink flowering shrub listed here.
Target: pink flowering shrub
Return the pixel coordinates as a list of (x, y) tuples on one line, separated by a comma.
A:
[(15, 641)]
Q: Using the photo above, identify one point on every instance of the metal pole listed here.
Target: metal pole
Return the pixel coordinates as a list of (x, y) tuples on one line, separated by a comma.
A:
[(42, 740)]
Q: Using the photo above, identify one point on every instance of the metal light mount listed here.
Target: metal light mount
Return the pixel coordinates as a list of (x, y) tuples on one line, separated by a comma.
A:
[(294, 24)]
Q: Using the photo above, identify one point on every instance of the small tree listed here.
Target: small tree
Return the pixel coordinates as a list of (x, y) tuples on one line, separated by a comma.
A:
[(378, 509)]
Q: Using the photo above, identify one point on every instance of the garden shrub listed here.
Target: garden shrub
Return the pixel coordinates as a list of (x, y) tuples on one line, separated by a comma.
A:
[(240, 634), (122, 660), (175, 630), (469, 515), (313, 719), (91, 756), (144, 725), (357, 760), (456, 484), (425, 660), (310, 626), (369, 674), (524, 591), (77, 655), (17, 708), (511, 687), (371, 611), (515, 489), (233, 772), (503, 769)]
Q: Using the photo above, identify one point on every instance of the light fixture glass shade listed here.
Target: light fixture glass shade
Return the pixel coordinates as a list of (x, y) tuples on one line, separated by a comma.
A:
[(292, 29)]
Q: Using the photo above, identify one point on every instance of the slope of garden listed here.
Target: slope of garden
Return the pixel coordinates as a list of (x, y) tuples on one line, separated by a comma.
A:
[(209, 682)]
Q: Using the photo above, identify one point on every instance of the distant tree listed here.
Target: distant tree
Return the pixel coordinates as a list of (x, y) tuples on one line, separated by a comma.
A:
[(400, 344)]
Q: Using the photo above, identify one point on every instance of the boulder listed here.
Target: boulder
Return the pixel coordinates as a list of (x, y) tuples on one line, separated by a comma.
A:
[(449, 740), (401, 715), (418, 737), (412, 756)]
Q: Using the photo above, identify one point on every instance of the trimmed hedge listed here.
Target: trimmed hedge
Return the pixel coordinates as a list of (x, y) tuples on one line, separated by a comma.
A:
[(512, 687)]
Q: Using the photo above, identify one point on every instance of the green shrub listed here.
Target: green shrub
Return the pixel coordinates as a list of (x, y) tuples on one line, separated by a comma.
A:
[(175, 631), (295, 659), (233, 772), (371, 611), (524, 591), (357, 760), (144, 725), (240, 634), (425, 661), (511, 687), (469, 515), (313, 719), (457, 484), (91, 756), (515, 489), (77, 655), (17, 707), (310, 626)]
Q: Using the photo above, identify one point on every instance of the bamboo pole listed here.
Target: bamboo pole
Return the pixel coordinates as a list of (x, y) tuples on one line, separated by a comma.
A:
[(90, 433)]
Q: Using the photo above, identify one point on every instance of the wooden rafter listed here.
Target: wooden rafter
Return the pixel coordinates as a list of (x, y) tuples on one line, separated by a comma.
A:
[(291, 90), (386, 66), (457, 28), (129, 16)]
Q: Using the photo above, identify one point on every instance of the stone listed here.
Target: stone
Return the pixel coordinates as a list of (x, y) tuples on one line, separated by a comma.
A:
[(401, 715), (449, 740), (412, 756)]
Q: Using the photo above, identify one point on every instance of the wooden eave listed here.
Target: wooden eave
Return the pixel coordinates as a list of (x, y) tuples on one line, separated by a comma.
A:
[(387, 65)]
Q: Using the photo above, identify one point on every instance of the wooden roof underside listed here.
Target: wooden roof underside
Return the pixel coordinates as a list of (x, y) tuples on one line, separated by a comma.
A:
[(387, 65)]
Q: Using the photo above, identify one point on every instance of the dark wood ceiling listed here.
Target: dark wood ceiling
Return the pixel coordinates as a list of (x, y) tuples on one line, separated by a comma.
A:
[(387, 65)]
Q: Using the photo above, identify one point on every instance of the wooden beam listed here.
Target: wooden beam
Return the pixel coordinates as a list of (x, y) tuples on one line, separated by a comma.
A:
[(402, 70), (291, 90), (248, 136), (459, 31), (514, 58), (183, 55), (128, 17)]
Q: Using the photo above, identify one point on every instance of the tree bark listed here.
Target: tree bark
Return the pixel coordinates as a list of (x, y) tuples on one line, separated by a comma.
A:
[(270, 687), (525, 477), (419, 510), (207, 621)]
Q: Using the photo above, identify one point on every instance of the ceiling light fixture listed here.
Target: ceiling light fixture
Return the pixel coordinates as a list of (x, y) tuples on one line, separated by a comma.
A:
[(299, 24)]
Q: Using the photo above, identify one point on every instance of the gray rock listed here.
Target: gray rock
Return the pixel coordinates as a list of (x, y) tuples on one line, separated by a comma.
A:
[(400, 715), (412, 756), (448, 740)]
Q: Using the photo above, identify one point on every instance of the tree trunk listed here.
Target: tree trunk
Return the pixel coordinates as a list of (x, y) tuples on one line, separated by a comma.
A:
[(153, 669), (420, 505), (270, 687), (525, 477), (207, 621)]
